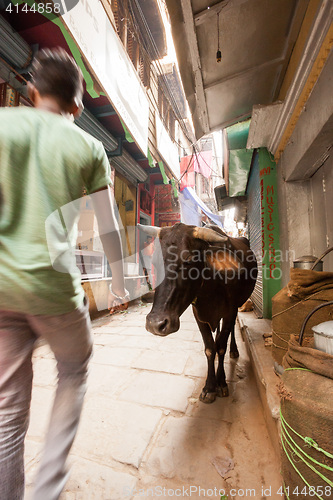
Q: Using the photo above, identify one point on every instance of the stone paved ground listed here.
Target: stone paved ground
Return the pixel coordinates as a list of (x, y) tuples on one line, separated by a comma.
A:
[(144, 433)]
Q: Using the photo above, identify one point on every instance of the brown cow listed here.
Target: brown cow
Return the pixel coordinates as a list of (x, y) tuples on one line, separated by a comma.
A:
[(213, 272)]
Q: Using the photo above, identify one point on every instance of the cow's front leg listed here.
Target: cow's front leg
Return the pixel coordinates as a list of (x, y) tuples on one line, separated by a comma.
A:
[(221, 347), (208, 394)]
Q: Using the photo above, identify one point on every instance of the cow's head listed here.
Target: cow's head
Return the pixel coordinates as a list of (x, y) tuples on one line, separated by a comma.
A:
[(183, 259)]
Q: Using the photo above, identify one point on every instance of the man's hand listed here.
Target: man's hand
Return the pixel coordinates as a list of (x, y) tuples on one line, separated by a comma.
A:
[(110, 238), (117, 304)]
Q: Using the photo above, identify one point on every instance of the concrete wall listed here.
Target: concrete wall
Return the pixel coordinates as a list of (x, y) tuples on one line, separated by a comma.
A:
[(294, 222), (321, 212), (309, 149)]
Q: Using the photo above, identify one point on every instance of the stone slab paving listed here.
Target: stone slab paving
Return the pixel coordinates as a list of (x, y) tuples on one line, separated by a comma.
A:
[(160, 390), (115, 431), (101, 481), (117, 356), (185, 458), (144, 432), (148, 342), (168, 362), (105, 380)]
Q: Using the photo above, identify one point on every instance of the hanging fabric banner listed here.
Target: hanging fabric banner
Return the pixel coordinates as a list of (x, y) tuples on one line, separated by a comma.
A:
[(187, 172)]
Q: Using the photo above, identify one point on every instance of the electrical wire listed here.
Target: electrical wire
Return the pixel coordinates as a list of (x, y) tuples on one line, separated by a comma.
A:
[(169, 92), (178, 180), (154, 54), (152, 51)]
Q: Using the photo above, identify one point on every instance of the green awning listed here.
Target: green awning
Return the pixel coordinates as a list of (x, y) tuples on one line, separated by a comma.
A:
[(237, 135), (239, 168), (239, 158)]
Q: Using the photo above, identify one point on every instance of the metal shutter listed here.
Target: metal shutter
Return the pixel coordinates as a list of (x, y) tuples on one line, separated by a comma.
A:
[(254, 221)]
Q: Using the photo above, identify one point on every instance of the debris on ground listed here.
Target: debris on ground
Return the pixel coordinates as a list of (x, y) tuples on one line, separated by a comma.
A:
[(268, 338), (223, 465), (283, 392), (240, 372)]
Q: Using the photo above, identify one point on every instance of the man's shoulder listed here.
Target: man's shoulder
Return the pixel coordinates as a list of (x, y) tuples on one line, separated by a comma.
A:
[(74, 131), (14, 112), (85, 135), (15, 119), (24, 122)]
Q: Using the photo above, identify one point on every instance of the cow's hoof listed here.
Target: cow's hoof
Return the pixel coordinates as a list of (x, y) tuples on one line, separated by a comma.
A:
[(207, 397), (234, 354), (223, 392)]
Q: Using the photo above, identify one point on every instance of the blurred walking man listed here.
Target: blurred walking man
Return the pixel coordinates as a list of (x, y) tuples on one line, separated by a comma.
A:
[(45, 162)]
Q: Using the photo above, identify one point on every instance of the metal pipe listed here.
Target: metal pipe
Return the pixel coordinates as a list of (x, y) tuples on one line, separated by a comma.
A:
[(321, 257), (300, 340), (12, 46), (126, 163)]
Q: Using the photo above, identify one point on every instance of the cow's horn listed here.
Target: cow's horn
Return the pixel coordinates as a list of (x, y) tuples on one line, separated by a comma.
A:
[(204, 233), (151, 230)]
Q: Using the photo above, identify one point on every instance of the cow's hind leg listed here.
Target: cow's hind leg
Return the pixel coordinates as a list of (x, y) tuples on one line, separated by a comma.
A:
[(233, 346), (208, 394), (221, 347)]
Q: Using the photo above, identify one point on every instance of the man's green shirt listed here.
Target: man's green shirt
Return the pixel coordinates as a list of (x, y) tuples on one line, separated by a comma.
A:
[(45, 162)]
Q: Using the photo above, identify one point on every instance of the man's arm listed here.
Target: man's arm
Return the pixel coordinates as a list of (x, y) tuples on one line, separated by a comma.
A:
[(110, 237)]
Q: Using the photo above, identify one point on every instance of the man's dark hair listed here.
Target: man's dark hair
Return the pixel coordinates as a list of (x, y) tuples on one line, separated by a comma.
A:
[(55, 73)]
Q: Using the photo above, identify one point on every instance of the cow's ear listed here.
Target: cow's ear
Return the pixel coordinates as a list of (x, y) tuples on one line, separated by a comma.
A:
[(222, 260)]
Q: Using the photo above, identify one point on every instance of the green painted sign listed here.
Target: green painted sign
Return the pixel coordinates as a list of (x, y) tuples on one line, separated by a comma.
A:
[(271, 254)]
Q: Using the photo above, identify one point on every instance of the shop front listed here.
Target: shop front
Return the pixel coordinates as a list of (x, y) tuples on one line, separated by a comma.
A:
[(263, 224), (125, 195), (100, 118)]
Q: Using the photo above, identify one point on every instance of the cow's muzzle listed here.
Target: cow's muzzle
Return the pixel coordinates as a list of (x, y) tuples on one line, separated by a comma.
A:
[(162, 324)]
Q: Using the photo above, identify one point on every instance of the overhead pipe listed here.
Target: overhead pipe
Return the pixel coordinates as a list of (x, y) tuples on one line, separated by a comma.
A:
[(125, 162)]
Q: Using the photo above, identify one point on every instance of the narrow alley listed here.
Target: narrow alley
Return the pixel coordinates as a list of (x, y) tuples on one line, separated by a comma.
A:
[(144, 432), (183, 146)]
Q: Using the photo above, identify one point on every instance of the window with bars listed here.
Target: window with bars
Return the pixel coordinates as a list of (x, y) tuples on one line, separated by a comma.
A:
[(163, 106), (166, 112), (144, 69), (160, 100), (130, 40), (172, 124), (133, 50), (119, 8)]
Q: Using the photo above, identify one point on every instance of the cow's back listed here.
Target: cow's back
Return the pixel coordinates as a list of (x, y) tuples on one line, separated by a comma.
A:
[(228, 291)]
